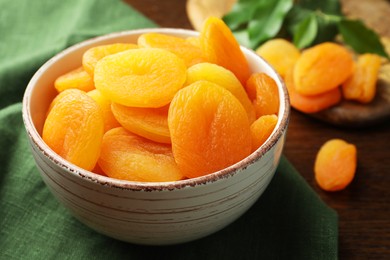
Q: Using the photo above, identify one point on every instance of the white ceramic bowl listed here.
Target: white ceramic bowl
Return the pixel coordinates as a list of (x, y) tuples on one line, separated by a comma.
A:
[(140, 212)]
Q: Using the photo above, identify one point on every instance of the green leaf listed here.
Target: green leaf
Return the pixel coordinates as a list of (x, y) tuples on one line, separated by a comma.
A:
[(325, 6), (267, 20), (305, 31), (242, 37), (361, 38), (327, 27), (241, 13), (294, 17), (326, 23)]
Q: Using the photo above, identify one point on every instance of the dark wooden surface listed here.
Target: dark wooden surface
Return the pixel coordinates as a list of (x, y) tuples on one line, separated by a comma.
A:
[(364, 207)]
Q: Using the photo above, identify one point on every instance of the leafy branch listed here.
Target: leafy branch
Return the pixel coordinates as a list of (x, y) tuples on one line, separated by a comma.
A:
[(305, 22)]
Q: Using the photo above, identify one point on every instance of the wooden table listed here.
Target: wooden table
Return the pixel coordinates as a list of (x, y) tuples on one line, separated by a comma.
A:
[(364, 207)]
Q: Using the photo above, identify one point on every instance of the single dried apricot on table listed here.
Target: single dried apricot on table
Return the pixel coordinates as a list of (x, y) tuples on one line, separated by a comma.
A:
[(74, 128), (224, 78), (266, 99), (280, 53), (105, 105), (145, 77), (361, 86), (335, 165), (94, 54), (322, 68), (220, 47), (190, 53), (209, 129), (151, 123), (313, 103), (127, 156), (77, 78), (261, 129)]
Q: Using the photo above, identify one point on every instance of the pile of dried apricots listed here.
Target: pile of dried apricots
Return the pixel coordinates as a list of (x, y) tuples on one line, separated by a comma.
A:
[(164, 109), (321, 76)]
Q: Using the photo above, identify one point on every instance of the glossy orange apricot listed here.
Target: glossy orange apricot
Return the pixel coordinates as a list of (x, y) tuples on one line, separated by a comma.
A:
[(361, 86), (151, 123), (94, 54), (261, 129), (190, 53), (266, 101), (224, 78), (77, 78), (74, 128), (335, 165), (144, 77), (280, 53), (209, 129), (127, 156), (321, 68), (105, 105), (220, 47), (313, 103)]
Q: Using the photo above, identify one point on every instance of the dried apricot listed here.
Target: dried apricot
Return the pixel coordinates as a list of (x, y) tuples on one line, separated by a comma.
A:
[(194, 41), (77, 78), (224, 78), (98, 170), (335, 165), (74, 128), (314, 103), (209, 129), (127, 156), (181, 47), (261, 129), (361, 86), (266, 100), (145, 77), (322, 68), (151, 123), (94, 54), (280, 53), (105, 105), (220, 47)]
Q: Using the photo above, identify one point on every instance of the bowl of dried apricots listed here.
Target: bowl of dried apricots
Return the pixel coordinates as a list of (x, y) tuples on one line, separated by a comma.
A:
[(157, 136)]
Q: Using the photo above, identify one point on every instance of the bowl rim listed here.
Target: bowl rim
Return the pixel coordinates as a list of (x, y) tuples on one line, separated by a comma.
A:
[(36, 139)]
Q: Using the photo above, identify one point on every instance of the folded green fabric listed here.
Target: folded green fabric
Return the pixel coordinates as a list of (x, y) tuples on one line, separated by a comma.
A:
[(288, 222)]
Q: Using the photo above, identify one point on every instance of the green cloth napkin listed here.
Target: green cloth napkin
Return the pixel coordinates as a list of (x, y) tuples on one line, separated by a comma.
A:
[(288, 222)]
